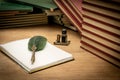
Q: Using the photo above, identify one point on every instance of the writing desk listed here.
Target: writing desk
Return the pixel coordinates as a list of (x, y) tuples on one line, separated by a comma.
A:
[(85, 66)]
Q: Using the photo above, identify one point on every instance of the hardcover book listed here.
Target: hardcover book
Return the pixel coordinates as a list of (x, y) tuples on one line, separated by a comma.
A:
[(104, 4), (95, 51), (23, 20), (101, 34), (102, 19), (102, 48), (72, 9), (9, 6), (105, 28), (101, 11), (49, 56), (101, 31), (101, 41), (46, 4)]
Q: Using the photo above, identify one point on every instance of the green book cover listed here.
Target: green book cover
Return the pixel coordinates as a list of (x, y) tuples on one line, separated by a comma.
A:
[(47, 4), (5, 6)]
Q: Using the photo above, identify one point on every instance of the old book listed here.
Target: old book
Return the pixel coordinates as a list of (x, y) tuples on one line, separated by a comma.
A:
[(101, 31), (101, 34), (46, 4), (11, 13), (95, 51), (102, 19), (103, 27), (101, 44), (23, 20), (104, 4), (9, 6), (101, 11), (71, 10), (102, 47), (49, 56), (101, 41)]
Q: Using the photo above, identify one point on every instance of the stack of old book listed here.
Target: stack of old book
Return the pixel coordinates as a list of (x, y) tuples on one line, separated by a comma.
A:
[(58, 17), (17, 13), (13, 14), (8, 8), (101, 29), (51, 10)]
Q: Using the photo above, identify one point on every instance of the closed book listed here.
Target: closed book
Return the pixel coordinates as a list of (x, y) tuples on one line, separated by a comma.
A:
[(102, 19), (9, 6), (105, 28), (101, 44), (49, 56), (101, 31), (71, 10), (23, 20), (102, 48), (101, 34), (101, 41), (101, 11), (46, 4), (108, 4), (90, 48), (11, 13)]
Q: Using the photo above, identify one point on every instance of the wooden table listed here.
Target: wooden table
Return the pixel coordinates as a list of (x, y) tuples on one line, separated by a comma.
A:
[(85, 66)]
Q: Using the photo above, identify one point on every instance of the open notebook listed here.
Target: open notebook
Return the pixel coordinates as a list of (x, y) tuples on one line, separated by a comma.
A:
[(49, 56)]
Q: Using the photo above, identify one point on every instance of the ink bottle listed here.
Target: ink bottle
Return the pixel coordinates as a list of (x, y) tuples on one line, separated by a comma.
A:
[(64, 35)]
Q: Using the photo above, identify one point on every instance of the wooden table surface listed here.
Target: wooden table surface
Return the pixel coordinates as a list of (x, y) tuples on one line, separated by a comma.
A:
[(85, 66)]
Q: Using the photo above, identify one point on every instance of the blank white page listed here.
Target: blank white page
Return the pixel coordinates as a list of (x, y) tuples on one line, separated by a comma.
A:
[(49, 56)]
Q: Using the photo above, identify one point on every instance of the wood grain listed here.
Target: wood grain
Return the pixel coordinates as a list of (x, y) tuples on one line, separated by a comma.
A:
[(85, 66)]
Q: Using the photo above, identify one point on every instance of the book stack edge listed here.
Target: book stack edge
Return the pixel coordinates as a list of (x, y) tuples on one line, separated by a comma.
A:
[(101, 30)]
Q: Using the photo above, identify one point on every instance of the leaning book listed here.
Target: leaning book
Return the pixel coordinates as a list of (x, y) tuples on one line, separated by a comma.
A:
[(49, 56)]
